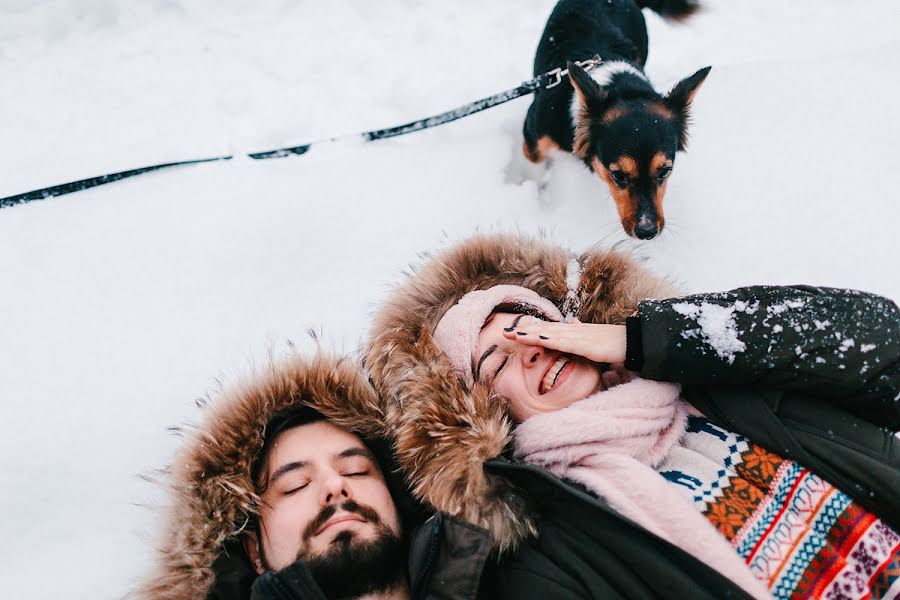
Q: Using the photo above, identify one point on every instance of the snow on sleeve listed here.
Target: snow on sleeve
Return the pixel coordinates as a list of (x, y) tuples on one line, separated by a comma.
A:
[(717, 327)]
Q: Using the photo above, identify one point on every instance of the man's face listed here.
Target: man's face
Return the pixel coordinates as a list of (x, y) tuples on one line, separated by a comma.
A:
[(326, 494)]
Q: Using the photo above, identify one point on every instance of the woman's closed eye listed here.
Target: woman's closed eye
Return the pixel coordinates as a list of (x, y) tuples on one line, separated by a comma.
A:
[(494, 364), (505, 360)]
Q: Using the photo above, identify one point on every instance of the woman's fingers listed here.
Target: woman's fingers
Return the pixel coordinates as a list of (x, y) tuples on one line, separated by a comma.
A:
[(534, 332), (600, 343)]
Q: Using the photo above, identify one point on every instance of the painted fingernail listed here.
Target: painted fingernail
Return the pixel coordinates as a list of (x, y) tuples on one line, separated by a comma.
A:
[(508, 328), (521, 333), (543, 337)]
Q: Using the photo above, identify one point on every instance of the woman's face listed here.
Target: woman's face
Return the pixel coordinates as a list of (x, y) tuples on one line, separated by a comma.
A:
[(533, 379)]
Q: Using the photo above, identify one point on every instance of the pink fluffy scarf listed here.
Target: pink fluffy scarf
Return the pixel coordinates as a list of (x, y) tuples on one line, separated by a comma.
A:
[(610, 442)]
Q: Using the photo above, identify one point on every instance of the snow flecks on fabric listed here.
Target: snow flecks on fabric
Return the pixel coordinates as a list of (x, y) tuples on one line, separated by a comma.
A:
[(777, 309), (573, 277), (687, 309), (847, 344), (717, 327), (867, 348), (746, 307), (777, 329)]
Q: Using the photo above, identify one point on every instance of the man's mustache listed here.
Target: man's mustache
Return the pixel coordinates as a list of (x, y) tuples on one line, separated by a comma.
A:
[(366, 512)]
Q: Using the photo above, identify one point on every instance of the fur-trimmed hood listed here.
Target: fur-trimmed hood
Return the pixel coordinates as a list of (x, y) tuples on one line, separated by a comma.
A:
[(211, 496), (444, 428)]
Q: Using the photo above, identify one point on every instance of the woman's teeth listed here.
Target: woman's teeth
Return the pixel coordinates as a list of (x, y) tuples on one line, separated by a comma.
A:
[(550, 378)]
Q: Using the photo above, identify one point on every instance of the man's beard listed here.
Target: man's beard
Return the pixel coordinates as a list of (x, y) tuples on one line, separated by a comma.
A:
[(351, 567)]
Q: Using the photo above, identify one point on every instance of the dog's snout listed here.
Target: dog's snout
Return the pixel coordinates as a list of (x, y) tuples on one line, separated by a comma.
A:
[(646, 229)]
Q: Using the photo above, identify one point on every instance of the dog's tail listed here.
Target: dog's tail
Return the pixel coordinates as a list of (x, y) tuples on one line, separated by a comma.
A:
[(671, 9)]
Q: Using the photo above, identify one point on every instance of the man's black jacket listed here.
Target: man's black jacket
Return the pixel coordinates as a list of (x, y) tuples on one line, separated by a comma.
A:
[(446, 560)]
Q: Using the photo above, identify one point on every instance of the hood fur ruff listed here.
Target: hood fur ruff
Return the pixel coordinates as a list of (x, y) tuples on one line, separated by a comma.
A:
[(444, 427), (210, 489)]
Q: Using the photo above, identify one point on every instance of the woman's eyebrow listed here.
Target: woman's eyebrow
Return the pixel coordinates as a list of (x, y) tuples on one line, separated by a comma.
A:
[(481, 360)]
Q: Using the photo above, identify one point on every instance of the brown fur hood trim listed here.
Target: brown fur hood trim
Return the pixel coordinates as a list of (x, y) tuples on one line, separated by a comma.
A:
[(444, 428), (211, 494)]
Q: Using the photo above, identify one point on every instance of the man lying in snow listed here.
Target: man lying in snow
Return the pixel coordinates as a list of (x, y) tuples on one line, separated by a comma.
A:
[(773, 470), (278, 497)]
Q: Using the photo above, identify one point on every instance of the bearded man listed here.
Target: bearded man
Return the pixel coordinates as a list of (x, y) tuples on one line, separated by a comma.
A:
[(286, 493)]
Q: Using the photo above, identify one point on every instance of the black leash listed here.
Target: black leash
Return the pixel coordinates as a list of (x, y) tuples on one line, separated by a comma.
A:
[(547, 80)]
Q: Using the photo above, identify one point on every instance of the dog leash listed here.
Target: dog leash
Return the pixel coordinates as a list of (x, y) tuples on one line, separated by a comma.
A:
[(547, 80)]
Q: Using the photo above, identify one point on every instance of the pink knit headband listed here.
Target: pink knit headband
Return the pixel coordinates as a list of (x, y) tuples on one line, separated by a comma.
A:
[(457, 332)]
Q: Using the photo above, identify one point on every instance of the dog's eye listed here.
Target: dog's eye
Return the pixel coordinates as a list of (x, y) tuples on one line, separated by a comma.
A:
[(620, 178), (663, 173)]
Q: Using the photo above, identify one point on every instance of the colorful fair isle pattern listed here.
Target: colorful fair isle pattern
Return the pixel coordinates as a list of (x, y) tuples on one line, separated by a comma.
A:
[(798, 533)]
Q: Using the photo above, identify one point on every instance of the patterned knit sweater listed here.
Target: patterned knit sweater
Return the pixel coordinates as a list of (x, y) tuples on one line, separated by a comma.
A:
[(800, 535)]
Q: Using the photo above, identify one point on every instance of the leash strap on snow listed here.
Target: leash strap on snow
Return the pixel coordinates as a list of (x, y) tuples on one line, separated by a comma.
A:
[(547, 80), (83, 184)]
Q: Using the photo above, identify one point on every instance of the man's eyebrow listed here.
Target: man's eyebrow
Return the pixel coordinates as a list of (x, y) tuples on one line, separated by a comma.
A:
[(350, 452), (287, 468), (300, 464)]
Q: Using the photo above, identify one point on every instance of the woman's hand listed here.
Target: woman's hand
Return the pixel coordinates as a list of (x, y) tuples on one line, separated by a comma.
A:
[(599, 343)]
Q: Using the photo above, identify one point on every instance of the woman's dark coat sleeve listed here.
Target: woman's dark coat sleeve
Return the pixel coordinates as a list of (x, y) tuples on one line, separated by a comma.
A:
[(840, 346)]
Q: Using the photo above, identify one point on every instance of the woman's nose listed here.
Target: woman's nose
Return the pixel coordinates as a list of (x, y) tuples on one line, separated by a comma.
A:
[(531, 356)]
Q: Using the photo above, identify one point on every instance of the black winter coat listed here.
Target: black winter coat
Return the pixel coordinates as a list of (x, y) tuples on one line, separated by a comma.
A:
[(446, 560), (810, 374)]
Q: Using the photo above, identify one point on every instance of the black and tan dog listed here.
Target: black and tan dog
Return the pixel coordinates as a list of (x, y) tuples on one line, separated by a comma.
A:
[(624, 130)]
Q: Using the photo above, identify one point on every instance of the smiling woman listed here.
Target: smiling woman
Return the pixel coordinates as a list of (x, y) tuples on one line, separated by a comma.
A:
[(692, 488), (533, 373)]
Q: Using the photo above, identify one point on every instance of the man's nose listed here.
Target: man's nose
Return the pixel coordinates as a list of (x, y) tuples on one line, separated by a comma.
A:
[(335, 489)]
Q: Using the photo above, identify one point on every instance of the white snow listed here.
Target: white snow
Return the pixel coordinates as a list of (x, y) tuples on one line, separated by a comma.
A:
[(867, 348), (717, 327), (121, 305)]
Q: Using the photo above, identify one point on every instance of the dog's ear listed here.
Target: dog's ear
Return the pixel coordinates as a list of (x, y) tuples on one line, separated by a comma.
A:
[(680, 98), (590, 95)]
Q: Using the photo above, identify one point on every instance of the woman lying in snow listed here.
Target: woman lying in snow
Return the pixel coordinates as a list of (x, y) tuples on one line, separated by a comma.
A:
[(772, 471)]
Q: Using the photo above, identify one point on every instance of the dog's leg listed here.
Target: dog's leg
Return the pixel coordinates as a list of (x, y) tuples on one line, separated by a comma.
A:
[(522, 167)]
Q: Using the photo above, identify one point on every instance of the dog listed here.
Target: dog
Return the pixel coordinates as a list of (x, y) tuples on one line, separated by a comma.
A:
[(611, 118)]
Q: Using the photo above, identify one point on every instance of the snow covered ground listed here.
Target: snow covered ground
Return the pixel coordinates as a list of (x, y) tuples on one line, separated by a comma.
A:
[(121, 305)]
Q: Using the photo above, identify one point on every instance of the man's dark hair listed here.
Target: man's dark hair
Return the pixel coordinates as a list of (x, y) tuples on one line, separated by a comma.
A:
[(280, 422)]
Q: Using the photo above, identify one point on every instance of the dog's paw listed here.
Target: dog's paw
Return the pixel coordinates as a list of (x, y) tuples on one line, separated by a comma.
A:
[(519, 169)]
